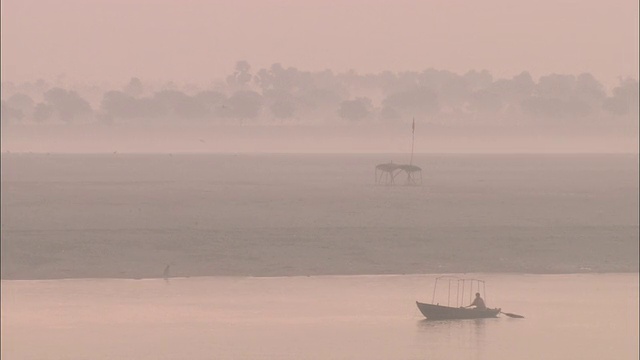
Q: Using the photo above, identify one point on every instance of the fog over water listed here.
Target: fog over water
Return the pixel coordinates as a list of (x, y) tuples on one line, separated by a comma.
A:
[(284, 179)]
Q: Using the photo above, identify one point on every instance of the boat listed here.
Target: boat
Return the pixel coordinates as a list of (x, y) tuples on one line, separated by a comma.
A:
[(439, 312), (456, 298)]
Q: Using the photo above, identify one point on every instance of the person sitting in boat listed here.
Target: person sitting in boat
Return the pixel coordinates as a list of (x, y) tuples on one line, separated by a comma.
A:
[(478, 303)]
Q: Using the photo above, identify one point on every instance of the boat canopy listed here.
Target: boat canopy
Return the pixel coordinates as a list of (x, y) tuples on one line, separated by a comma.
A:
[(456, 290)]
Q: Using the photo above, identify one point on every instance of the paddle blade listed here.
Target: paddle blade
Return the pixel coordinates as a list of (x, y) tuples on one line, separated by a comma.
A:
[(515, 316)]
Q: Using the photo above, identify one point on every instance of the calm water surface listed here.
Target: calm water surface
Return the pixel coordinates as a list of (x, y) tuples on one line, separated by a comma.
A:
[(584, 316), (127, 216)]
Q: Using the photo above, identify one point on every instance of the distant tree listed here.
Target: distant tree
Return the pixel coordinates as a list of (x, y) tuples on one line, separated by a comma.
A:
[(478, 80), (169, 86), (21, 102), (42, 112), (523, 84), (625, 98), (150, 108), (357, 109), (212, 102), (277, 78), (134, 88), (177, 103), (9, 114), (119, 105), (191, 108), (242, 77), (163, 104), (557, 86), (244, 105), (67, 105), (386, 81), (514, 89), (281, 103), (453, 90), (416, 102), (283, 109), (554, 108), (407, 81), (561, 96), (485, 102), (289, 92), (32, 89), (588, 89)]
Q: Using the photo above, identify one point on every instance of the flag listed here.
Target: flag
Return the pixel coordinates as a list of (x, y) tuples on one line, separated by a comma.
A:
[(413, 126)]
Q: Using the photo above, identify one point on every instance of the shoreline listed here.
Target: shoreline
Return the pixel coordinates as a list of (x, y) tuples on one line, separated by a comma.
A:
[(238, 277), (325, 275)]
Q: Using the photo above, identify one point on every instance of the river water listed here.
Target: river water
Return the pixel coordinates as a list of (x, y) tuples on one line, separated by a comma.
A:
[(582, 316), (128, 216), (304, 257)]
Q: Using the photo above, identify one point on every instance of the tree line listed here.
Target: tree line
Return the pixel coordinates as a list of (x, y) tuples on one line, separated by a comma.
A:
[(288, 95)]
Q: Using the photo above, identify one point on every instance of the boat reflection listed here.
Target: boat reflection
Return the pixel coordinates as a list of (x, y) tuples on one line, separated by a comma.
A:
[(456, 334)]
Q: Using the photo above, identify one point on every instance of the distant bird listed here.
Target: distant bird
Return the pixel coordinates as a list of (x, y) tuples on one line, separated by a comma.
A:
[(201, 140)]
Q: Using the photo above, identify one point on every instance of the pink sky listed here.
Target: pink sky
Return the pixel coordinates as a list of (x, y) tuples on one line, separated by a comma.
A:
[(197, 41)]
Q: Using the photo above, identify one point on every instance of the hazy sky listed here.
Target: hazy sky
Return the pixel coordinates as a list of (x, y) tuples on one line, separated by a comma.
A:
[(196, 41)]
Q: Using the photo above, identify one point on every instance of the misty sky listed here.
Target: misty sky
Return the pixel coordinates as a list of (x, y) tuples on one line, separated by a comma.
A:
[(197, 41)]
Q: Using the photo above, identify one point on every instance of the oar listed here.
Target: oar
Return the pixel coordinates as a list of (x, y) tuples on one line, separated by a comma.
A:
[(516, 316)]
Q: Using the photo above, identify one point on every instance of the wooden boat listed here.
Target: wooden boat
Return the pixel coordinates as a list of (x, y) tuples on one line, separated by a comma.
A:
[(457, 296), (439, 312)]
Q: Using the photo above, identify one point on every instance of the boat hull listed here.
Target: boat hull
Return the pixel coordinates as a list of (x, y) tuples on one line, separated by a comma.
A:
[(439, 312)]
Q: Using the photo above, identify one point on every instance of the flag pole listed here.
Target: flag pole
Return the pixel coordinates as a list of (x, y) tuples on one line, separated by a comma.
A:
[(413, 138)]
